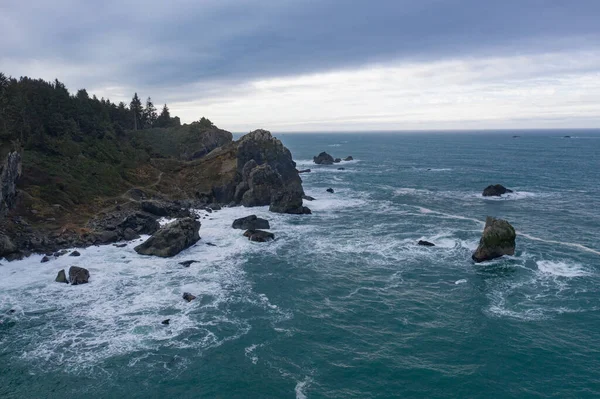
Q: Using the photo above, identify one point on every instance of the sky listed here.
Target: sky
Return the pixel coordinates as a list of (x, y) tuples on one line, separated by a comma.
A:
[(322, 65)]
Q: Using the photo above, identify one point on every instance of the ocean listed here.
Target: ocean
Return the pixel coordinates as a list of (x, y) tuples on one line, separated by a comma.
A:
[(343, 304)]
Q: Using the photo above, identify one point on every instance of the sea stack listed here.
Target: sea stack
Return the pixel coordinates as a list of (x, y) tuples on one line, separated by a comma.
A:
[(498, 239)]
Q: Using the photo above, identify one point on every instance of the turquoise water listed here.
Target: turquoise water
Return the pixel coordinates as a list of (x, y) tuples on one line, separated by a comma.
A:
[(343, 304)]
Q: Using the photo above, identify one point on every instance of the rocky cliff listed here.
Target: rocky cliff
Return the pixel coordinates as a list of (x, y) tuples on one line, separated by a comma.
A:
[(10, 172)]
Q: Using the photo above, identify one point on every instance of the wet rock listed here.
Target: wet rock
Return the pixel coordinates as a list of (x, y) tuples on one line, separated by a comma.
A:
[(349, 158), (495, 190), (75, 253), (62, 277), (107, 237), (163, 208), (330, 190), (188, 297), (210, 244), (251, 222), (165, 322), (304, 171), (337, 160), (45, 259), (498, 239), (341, 168), (61, 253), (263, 181), (323, 159), (120, 245), (188, 263), (7, 247), (426, 243), (171, 239), (287, 201), (129, 234), (308, 198), (259, 235), (78, 275)]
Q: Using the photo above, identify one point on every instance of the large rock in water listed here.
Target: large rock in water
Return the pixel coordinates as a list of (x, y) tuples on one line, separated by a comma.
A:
[(495, 190), (10, 171), (323, 159), (171, 239), (288, 201), (78, 275), (251, 222), (262, 182), (498, 239)]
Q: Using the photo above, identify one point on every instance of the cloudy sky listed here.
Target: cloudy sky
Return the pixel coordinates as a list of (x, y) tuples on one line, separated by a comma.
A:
[(322, 65)]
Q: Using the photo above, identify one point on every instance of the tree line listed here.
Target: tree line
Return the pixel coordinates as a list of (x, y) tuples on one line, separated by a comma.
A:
[(34, 111)]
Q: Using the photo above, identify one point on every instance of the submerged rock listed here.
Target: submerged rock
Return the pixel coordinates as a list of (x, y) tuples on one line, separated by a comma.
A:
[(341, 168), (308, 198), (495, 190), (426, 243), (78, 275), (165, 322), (171, 239), (62, 277), (330, 190), (188, 297), (498, 239), (323, 159), (188, 263), (304, 171), (259, 235), (251, 222)]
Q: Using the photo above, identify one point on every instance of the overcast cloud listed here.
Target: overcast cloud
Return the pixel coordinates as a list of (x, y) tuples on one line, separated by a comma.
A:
[(322, 65)]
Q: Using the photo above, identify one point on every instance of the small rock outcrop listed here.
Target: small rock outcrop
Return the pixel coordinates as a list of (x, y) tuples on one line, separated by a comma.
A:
[(288, 202), (171, 239), (75, 253), (323, 159), (45, 259), (349, 158), (188, 297), (78, 275), (62, 277), (163, 208), (166, 322), (251, 222), (330, 190), (498, 239), (259, 235), (187, 263), (341, 168), (337, 160), (495, 190), (308, 198), (426, 243), (304, 171)]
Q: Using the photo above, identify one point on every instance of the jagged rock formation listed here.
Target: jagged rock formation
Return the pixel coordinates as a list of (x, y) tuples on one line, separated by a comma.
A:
[(10, 172), (498, 239), (259, 235), (171, 239), (78, 275), (323, 159), (495, 190), (251, 222)]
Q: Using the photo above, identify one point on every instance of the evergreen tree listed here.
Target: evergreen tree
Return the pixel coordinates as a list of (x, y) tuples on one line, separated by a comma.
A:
[(164, 119), (149, 115), (136, 109)]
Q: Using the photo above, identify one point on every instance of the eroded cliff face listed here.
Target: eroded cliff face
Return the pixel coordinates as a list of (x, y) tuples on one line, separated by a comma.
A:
[(10, 172)]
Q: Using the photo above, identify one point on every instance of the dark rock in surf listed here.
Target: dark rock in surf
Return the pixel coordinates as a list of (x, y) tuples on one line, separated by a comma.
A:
[(78, 275), (337, 160), (165, 322), (171, 239), (60, 253), (259, 235), (349, 158), (61, 277), (45, 259), (251, 222), (210, 244), (75, 253), (426, 243), (323, 159), (188, 297), (308, 198), (330, 190), (304, 171), (495, 190), (341, 168), (288, 201), (187, 263), (498, 239), (120, 245)]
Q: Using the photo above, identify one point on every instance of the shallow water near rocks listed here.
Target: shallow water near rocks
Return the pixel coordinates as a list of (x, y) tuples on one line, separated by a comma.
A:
[(343, 304)]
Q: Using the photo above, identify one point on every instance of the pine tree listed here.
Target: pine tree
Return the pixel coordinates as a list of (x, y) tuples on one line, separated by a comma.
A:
[(149, 114), (164, 119), (136, 109)]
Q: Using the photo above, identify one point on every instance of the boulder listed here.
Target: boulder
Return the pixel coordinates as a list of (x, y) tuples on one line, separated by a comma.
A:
[(426, 243), (287, 201), (337, 160), (251, 222), (304, 171), (62, 277), (188, 297), (163, 208), (349, 158), (498, 239), (140, 223), (323, 159), (61, 253), (165, 322), (495, 190), (78, 275), (45, 259), (7, 247), (330, 190), (75, 253), (171, 239), (308, 198), (259, 235)]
